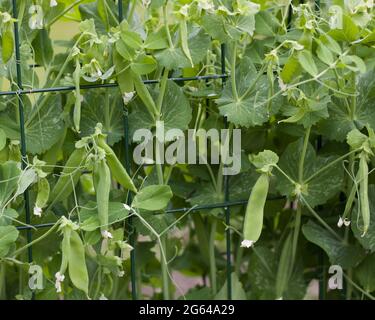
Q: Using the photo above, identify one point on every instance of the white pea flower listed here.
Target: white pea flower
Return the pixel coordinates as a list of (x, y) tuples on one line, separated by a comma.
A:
[(6, 17), (103, 297), (346, 222), (120, 274), (37, 211), (106, 234), (127, 207), (146, 3), (59, 279), (246, 8), (36, 19), (53, 3), (282, 85), (184, 11), (247, 243), (127, 97), (340, 222), (207, 5)]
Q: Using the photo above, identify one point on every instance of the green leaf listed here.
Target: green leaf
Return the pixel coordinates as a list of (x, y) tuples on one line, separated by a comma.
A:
[(365, 273), (341, 122), (176, 111), (215, 27), (8, 236), (320, 189), (77, 264), (368, 240), (324, 54), (347, 256), (307, 62), (89, 215), (42, 45), (26, 179), (172, 58), (9, 174), (238, 293), (356, 139), (103, 107), (291, 69), (348, 33), (265, 160), (153, 198), (144, 64), (252, 109), (7, 217), (46, 127), (156, 40)]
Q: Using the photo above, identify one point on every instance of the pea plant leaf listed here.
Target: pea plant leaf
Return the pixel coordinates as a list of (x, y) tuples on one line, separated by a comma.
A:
[(8, 236), (320, 189), (252, 109), (368, 240), (104, 108), (9, 174), (341, 122), (153, 198), (176, 111), (346, 256)]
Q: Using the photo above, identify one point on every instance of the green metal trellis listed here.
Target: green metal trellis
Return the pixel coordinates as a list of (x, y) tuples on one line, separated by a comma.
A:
[(226, 205)]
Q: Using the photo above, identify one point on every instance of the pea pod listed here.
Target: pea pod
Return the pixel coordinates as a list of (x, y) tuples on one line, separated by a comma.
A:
[(144, 94), (43, 193), (65, 250), (363, 192), (7, 43), (255, 208), (117, 169), (77, 264), (284, 267), (184, 40), (102, 182), (69, 176), (77, 105)]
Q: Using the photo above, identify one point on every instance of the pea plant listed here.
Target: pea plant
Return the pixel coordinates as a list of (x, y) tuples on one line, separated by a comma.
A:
[(80, 220)]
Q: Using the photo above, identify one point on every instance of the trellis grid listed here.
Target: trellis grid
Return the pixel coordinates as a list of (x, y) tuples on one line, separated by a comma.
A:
[(226, 205)]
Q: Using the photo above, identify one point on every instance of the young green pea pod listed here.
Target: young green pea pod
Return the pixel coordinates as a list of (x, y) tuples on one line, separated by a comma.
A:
[(73, 259), (42, 196), (254, 212), (77, 263), (102, 182), (117, 169), (144, 94), (284, 268), (7, 42), (69, 176), (184, 40), (363, 192), (78, 102)]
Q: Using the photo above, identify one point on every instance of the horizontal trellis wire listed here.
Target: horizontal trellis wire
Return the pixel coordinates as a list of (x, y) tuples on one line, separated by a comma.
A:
[(226, 205)]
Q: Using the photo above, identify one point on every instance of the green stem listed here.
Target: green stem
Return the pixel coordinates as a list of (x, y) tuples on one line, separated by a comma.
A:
[(213, 270), (303, 156), (364, 292), (320, 219), (163, 86), (165, 17), (40, 105), (315, 174), (233, 72), (164, 270)]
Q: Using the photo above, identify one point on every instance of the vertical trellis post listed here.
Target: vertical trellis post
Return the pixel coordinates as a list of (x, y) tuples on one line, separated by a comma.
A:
[(132, 234), (22, 126), (226, 199)]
